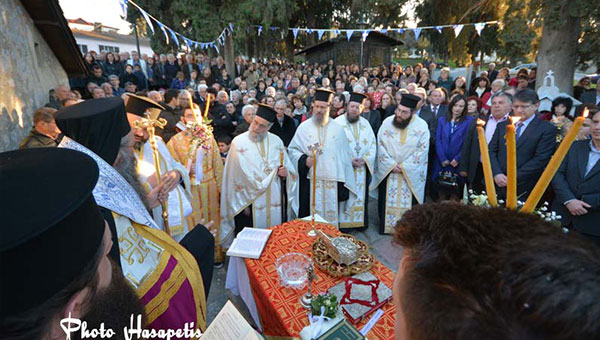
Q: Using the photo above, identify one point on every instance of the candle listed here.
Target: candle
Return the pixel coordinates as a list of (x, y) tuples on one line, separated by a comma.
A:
[(555, 161), (192, 108), (487, 167), (207, 105), (511, 163), (314, 180), (281, 157)]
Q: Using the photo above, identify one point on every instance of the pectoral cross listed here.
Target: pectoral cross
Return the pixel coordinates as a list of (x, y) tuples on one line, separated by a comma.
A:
[(357, 148)]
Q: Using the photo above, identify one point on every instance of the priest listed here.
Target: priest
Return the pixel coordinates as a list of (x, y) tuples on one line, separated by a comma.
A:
[(363, 149), (205, 169), (402, 149), (164, 273), (258, 177), (323, 138), (174, 177)]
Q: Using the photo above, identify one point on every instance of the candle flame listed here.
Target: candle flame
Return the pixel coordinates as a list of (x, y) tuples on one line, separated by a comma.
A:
[(585, 112), (513, 120), (480, 122)]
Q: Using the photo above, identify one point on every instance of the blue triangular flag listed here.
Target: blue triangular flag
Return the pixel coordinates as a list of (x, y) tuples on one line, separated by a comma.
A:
[(216, 47), (174, 36), (383, 30), (365, 34), (336, 31), (400, 30), (320, 33), (162, 27), (479, 27), (309, 30), (417, 32), (123, 4), (231, 27), (147, 18), (349, 34), (273, 28), (439, 28), (260, 28), (295, 32)]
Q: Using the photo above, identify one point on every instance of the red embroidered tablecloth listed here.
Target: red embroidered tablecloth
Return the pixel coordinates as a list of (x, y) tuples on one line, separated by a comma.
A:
[(280, 312)]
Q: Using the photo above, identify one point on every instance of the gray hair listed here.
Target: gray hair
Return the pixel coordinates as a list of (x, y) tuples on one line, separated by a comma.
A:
[(499, 81), (503, 94), (112, 76), (202, 87), (246, 108)]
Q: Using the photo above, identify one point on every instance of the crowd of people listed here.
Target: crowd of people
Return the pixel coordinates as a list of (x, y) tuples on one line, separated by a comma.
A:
[(289, 140)]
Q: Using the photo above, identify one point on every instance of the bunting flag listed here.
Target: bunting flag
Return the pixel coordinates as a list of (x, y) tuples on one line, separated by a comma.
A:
[(457, 29), (439, 29), (400, 30), (349, 34), (417, 32), (295, 32), (383, 30), (123, 4), (260, 28), (215, 46), (231, 27), (365, 34), (273, 28), (336, 31), (147, 18), (479, 27), (174, 36), (162, 27), (309, 30), (320, 33)]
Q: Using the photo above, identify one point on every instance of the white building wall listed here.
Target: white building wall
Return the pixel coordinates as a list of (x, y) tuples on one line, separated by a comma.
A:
[(94, 44)]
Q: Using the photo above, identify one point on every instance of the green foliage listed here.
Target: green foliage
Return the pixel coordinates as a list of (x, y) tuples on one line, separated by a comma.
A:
[(329, 301)]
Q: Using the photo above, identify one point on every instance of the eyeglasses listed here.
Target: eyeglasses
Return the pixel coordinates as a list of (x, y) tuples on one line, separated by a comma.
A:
[(522, 107)]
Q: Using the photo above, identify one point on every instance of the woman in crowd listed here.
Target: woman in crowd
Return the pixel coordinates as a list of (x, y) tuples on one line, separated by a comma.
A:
[(408, 75), (128, 76), (387, 101), (299, 109), (482, 86), (424, 78), (224, 79), (193, 81), (504, 74), (560, 116), (450, 136), (90, 61), (260, 89), (179, 82), (445, 80), (111, 66), (338, 105), (583, 85), (370, 114), (460, 83), (474, 106), (486, 99)]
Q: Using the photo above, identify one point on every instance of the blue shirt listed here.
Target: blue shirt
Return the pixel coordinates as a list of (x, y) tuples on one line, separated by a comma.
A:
[(593, 158), (524, 123)]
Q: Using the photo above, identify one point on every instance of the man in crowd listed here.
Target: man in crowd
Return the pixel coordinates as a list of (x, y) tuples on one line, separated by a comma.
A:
[(536, 141), (363, 149), (322, 137), (592, 97), (256, 183), (44, 131), (205, 170), (114, 82), (61, 92), (479, 273), (99, 128), (284, 126), (470, 160), (171, 69), (402, 152), (107, 88), (171, 114), (492, 72), (96, 77), (577, 185), (190, 66), (80, 279), (248, 112), (434, 110), (98, 92)]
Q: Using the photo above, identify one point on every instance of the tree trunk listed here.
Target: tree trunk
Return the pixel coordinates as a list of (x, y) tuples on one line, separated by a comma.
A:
[(289, 46), (229, 55), (558, 50)]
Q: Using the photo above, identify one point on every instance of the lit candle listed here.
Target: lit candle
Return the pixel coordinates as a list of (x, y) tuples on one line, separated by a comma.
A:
[(487, 167), (207, 105), (511, 164), (314, 187), (555, 161)]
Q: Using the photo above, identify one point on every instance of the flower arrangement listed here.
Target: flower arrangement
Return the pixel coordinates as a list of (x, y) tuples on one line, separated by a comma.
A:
[(200, 134), (543, 212), (328, 301)]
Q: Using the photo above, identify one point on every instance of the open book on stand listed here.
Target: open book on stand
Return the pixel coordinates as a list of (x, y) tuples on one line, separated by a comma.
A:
[(249, 243)]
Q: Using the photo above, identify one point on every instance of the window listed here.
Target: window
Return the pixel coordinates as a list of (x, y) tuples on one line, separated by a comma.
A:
[(83, 48), (105, 48)]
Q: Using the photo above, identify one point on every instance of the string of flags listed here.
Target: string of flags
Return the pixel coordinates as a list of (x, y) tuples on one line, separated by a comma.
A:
[(220, 40)]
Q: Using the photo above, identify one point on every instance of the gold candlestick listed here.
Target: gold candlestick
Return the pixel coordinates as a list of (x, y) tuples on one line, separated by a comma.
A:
[(149, 123)]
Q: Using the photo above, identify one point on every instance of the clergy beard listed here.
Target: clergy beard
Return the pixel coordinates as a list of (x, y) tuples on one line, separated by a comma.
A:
[(257, 137), (402, 123), (114, 305), (352, 119), (321, 120), (127, 167)]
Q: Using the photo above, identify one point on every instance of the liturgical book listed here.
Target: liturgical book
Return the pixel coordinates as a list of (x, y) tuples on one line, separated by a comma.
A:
[(230, 324), (249, 243)]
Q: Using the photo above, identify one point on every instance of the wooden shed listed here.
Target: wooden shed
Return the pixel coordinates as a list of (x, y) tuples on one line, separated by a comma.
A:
[(377, 50)]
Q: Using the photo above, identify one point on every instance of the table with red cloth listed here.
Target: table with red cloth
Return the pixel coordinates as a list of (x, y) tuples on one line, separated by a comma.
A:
[(279, 308)]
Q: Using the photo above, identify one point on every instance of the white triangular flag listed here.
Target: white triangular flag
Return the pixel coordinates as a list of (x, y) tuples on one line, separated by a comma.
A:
[(479, 27), (320, 33), (295, 32), (349, 34), (457, 29), (147, 18), (417, 32)]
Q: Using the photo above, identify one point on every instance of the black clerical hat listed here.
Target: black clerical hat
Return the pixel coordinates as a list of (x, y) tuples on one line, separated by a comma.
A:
[(51, 227), (409, 100), (138, 105), (266, 112), (323, 95), (97, 124), (357, 97)]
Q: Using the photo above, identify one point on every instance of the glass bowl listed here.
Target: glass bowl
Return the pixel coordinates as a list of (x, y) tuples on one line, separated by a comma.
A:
[(291, 268)]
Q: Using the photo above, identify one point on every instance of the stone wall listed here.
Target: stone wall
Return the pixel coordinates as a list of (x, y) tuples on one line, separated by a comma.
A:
[(28, 70)]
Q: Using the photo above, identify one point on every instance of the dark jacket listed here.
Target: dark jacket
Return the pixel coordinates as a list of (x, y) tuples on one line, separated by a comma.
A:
[(97, 80), (37, 140), (286, 131), (188, 68), (571, 182), (241, 128), (374, 119), (589, 97), (172, 116), (171, 72), (159, 70), (534, 149), (222, 121), (115, 68)]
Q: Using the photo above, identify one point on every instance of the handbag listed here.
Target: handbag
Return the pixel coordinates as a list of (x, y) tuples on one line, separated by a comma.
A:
[(447, 180)]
